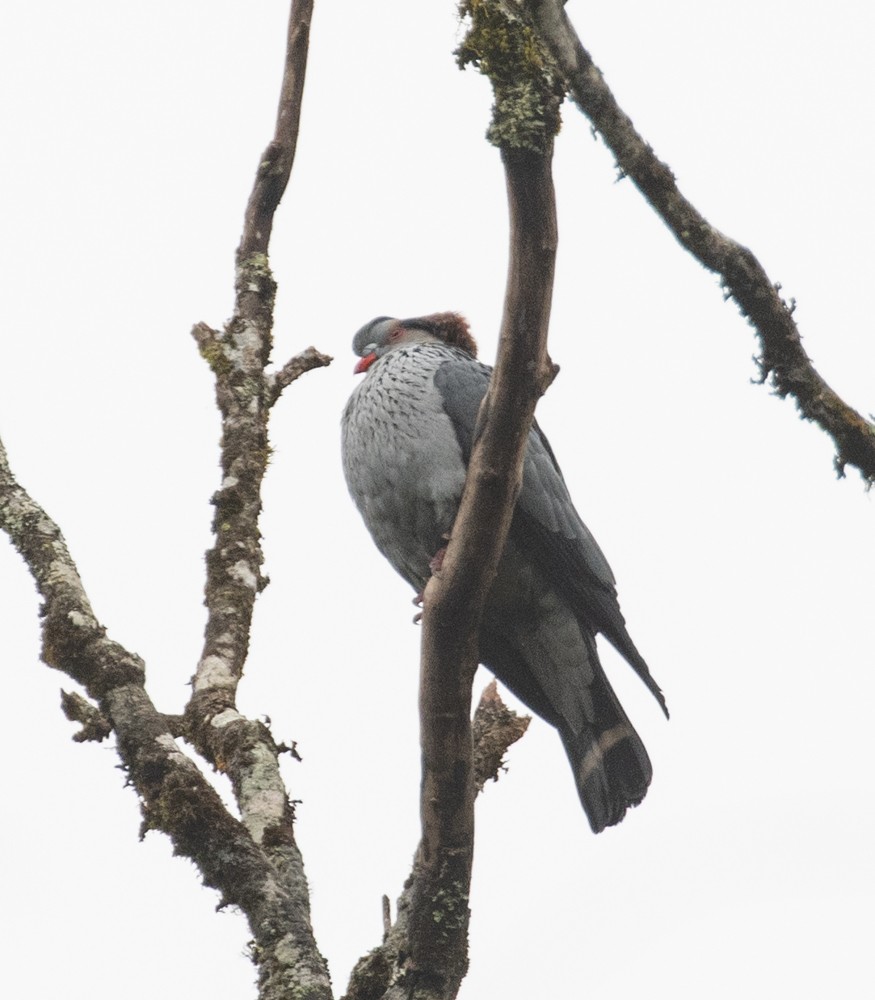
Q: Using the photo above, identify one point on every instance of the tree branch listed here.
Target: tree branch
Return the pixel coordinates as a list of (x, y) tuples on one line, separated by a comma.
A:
[(454, 599), (496, 728), (238, 357), (95, 725), (174, 796), (292, 370), (432, 924), (783, 360), (276, 163), (255, 864)]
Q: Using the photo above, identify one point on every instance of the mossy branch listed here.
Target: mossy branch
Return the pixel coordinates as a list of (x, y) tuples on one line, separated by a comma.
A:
[(528, 93)]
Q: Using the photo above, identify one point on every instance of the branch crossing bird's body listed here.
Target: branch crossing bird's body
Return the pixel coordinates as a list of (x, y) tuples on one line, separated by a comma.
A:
[(408, 430)]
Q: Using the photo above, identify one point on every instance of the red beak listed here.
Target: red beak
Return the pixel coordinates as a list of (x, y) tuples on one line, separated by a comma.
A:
[(365, 363)]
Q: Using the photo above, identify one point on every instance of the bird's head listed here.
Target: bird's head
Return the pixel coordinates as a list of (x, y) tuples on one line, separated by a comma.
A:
[(385, 333)]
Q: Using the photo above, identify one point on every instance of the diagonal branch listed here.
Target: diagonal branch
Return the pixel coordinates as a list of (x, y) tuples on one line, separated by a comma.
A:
[(783, 358), (174, 796), (292, 370), (253, 862), (429, 938)]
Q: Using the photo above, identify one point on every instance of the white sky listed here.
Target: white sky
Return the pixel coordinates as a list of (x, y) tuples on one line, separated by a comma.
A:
[(130, 138)]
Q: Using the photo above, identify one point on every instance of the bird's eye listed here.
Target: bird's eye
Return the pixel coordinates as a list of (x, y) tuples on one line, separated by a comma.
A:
[(397, 333)]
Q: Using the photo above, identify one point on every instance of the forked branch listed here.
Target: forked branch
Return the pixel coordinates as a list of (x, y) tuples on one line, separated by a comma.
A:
[(253, 862)]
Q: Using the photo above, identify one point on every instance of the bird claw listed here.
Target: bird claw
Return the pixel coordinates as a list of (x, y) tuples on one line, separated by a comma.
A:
[(434, 565)]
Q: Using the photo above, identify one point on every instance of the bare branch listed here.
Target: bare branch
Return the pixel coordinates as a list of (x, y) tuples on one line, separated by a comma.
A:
[(426, 949), (275, 166), (454, 599), (496, 728), (255, 864), (95, 725), (292, 370), (238, 356), (783, 359), (174, 796)]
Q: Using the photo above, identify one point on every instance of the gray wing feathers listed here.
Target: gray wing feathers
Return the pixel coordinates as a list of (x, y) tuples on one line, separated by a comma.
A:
[(546, 526), (546, 523)]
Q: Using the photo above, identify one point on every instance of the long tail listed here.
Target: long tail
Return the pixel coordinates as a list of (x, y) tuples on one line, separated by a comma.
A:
[(609, 761), (553, 666)]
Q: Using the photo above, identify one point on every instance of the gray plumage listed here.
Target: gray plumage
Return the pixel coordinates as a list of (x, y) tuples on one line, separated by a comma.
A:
[(407, 434)]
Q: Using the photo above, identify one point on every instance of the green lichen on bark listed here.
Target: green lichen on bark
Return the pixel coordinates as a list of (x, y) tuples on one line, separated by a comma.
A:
[(528, 92), (450, 911), (256, 265), (216, 358), (255, 278)]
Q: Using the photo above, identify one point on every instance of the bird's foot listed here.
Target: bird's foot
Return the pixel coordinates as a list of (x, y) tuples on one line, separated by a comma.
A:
[(434, 564), (437, 561), (420, 597)]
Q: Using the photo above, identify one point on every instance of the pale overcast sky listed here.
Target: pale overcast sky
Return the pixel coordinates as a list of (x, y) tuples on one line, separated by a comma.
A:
[(130, 137)]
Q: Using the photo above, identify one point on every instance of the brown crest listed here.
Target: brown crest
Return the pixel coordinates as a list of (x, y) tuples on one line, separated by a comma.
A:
[(450, 327)]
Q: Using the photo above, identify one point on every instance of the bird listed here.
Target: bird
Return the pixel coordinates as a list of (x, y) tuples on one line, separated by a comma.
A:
[(407, 433)]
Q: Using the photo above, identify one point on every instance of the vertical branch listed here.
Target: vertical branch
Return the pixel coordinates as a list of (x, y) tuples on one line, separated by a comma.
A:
[(454, 599), (238, 357), (276, 163), (286, 951), (495, 729), (525, 118)]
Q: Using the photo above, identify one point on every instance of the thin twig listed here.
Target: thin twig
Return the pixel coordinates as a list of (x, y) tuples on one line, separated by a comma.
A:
[(275, 166), (95, 725), (292, 370)]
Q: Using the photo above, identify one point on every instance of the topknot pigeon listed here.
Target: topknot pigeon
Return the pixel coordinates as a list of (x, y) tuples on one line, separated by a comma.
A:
[(407, 437)]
